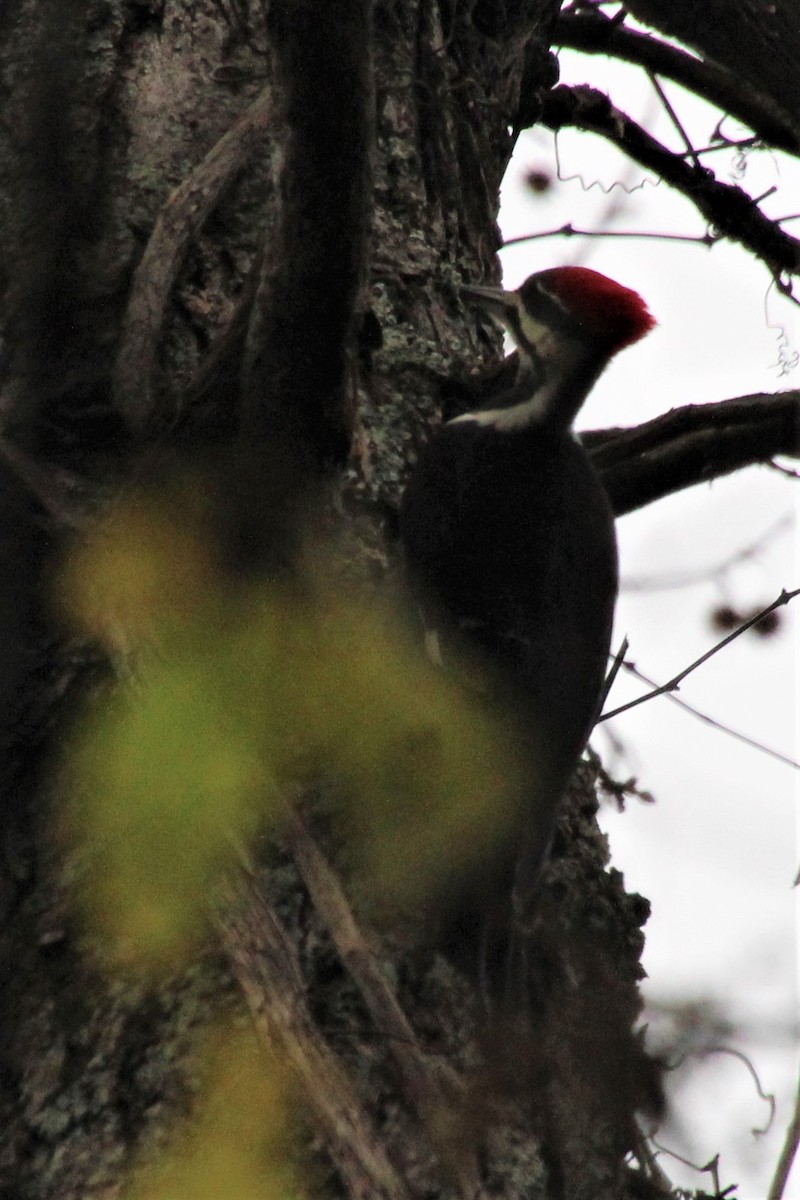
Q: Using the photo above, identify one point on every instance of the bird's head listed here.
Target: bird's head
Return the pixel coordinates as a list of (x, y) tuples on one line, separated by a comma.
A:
[(567, 323)]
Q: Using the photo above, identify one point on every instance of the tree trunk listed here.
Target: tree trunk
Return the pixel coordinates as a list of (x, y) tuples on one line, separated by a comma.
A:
[(160, 298)]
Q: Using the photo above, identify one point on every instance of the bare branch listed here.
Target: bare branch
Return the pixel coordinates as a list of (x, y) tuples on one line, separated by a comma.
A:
[(673, 684), (712, 722), (788, 1153), (569, 230), (757, 42), (692, 445), (594, 33), (726, 207)]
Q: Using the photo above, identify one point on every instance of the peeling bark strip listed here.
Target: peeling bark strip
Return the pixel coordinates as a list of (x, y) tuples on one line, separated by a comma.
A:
[(181, 218), (430, 1087), (264, 961), (303, 316)]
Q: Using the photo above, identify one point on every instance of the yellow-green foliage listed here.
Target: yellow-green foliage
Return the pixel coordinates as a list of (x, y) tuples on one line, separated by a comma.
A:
[(239, 690), (239, 1143)]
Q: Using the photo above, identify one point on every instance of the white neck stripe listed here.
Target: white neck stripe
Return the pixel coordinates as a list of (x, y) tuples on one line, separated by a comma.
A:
[(534, 411)]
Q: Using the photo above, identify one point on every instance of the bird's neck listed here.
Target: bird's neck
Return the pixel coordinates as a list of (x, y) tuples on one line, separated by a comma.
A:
[(547, 394)]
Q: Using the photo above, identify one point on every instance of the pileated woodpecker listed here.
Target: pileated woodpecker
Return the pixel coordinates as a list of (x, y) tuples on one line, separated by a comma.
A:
[(510, 545)]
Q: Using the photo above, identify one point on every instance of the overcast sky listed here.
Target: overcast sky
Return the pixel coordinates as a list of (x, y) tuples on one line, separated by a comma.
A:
[(719, 850)]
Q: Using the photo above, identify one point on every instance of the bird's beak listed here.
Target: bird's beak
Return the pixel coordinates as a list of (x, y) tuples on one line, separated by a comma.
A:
[(494, 301)]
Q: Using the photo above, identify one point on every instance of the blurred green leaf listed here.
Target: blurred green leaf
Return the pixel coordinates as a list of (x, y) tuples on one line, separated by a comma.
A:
[(242, 691), (238, 1144)]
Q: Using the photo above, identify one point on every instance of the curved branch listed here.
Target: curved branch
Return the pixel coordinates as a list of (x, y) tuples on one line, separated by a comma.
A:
[(594, 33), (181, 218), (693, 445), (758, 41), (729, 209)]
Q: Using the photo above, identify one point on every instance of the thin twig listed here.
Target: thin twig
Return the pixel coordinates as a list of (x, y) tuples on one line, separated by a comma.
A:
[(649, 1163), (569, 230), (707, 720), (674, 683), (788, 1152), (788, 472), (708, 1051), (619, 661), (654, 583), (710, 1168), (674, 118), (729, 144)]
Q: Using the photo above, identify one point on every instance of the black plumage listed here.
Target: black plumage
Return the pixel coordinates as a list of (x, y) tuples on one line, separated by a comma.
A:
[(510, 546)]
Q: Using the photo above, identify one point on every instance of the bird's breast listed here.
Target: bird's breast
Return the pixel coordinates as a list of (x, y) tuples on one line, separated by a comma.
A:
[(511, 540)]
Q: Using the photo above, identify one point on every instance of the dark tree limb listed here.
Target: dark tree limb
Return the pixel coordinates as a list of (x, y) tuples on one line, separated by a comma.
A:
[(758, 41), (693, 445), (302, 322), (594, 33), (726, 207)]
